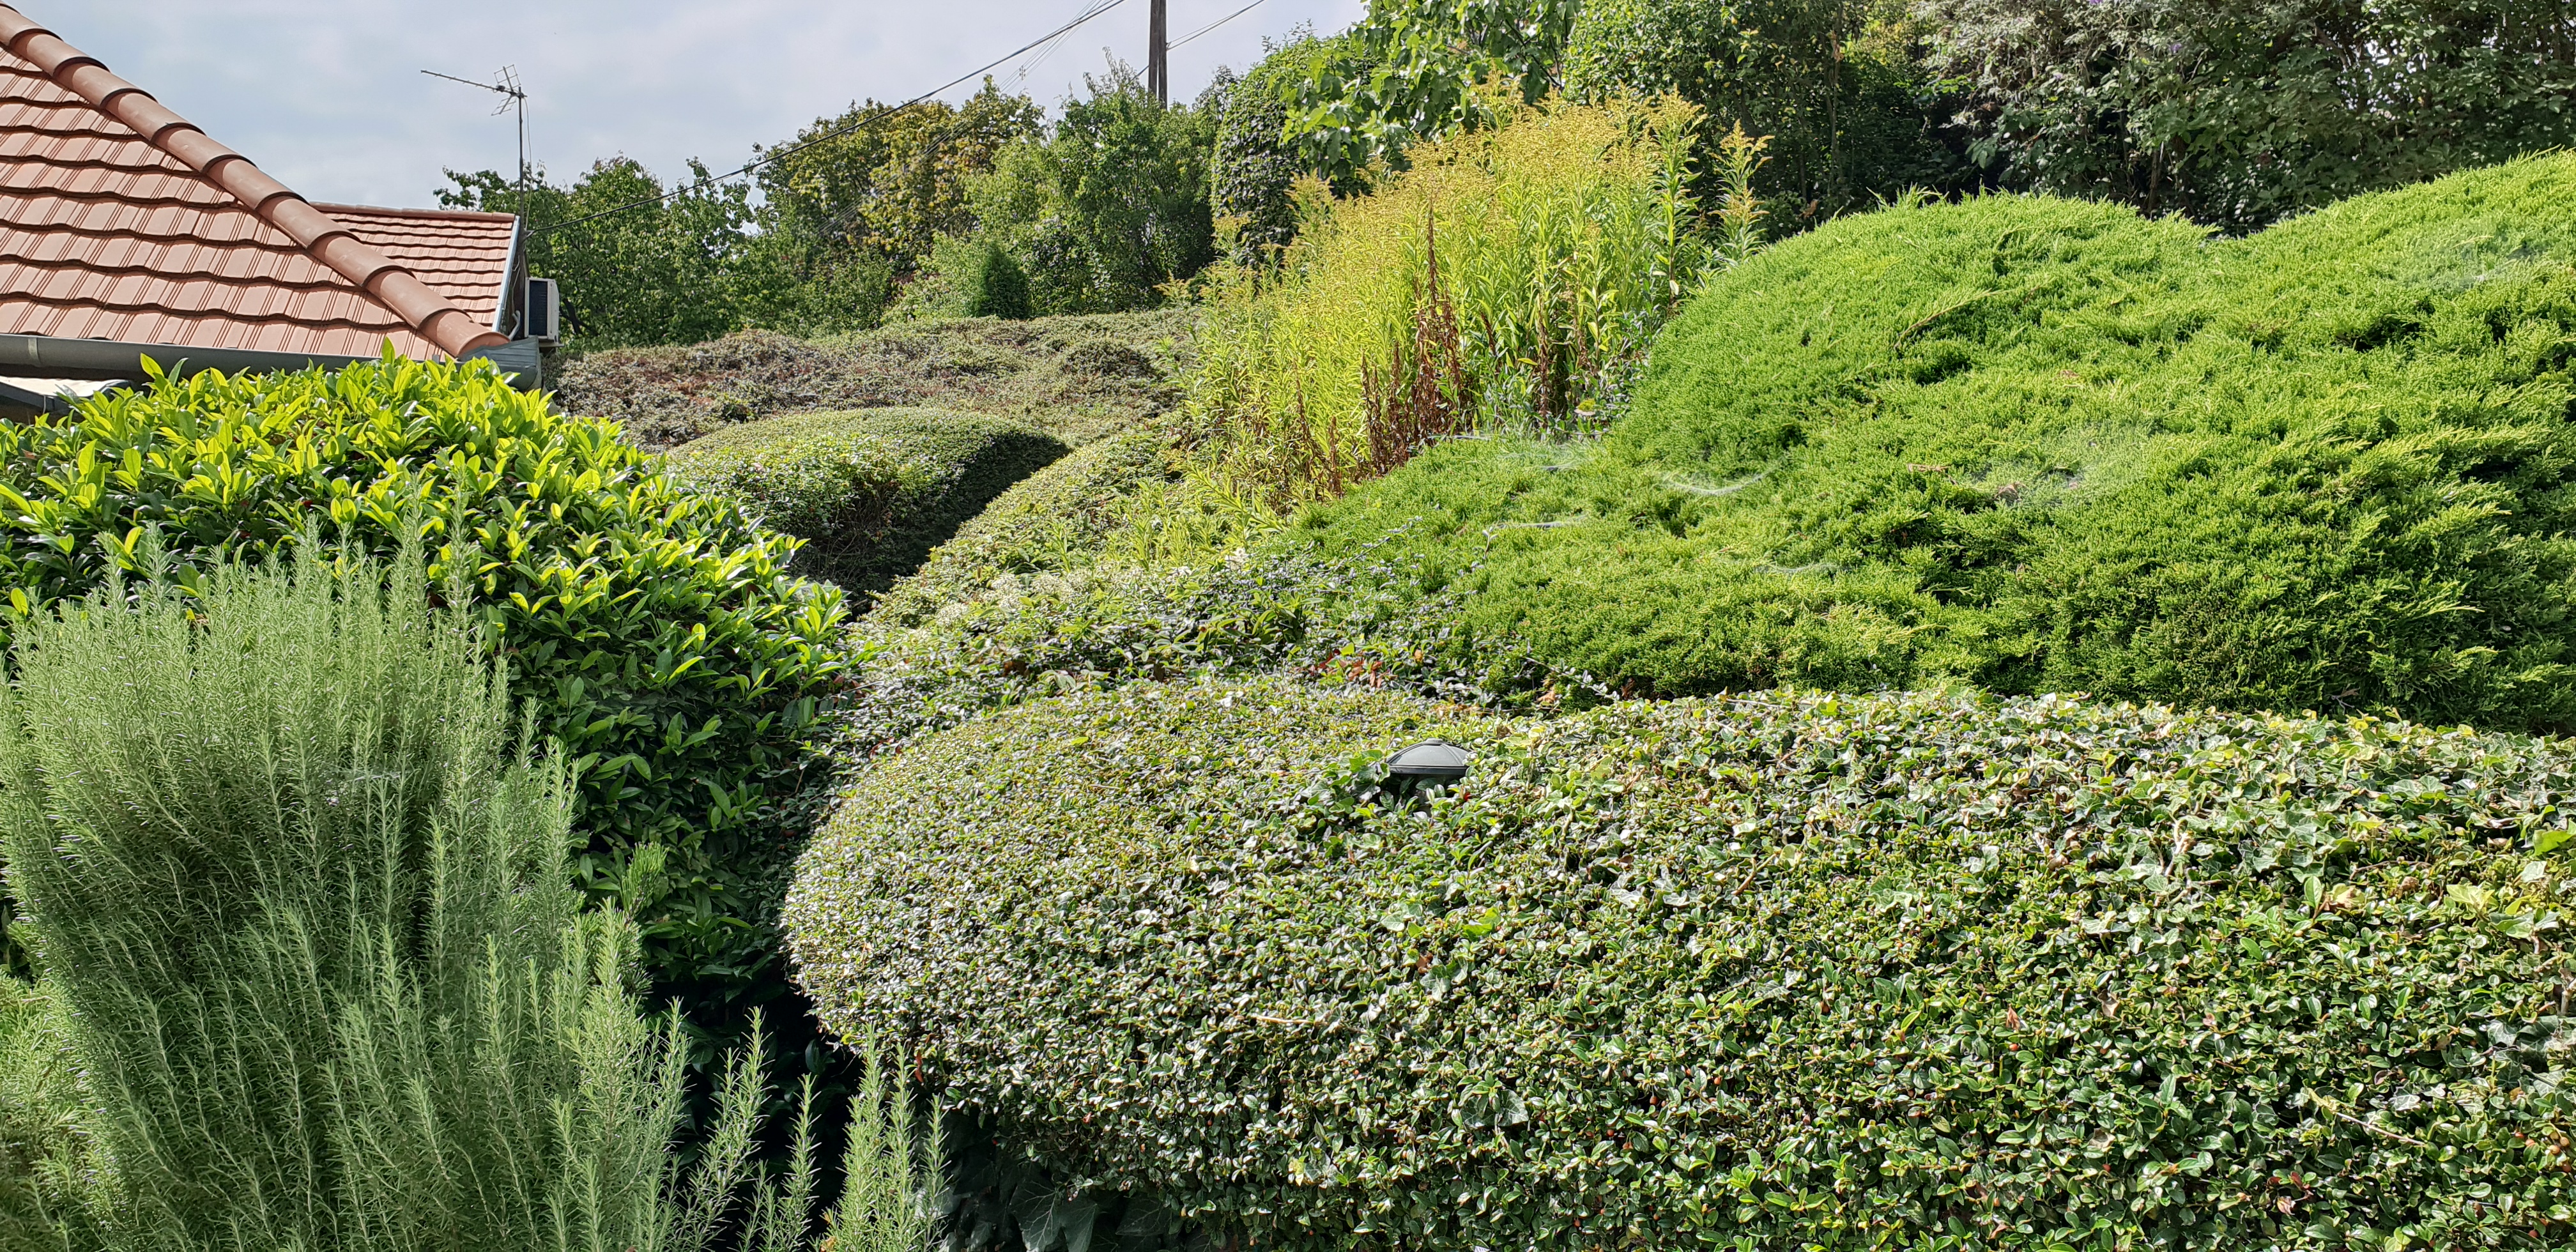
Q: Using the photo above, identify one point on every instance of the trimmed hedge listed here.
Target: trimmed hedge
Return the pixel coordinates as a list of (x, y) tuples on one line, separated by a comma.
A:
[(1055, 519), (657, 632), (2046, 445), (871, 492), (1798, 971)]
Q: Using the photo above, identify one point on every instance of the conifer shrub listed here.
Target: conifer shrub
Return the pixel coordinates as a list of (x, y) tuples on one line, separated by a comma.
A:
[(870, 492), (658, 632), (2044, 445), (1798, 970), (320, 968)]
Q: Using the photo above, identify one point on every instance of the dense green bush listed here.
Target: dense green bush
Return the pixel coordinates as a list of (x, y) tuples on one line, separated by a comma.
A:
[(2238, 114), (657, 632), (1254, 164), (1836, 85), (870, 492), (1805, 971), (1110, 205), (1055, 519), (2046, 445), (323, 977)]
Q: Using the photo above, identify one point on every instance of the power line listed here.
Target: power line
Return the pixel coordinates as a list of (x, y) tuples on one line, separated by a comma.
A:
[(1219, 22), (1097, 8)]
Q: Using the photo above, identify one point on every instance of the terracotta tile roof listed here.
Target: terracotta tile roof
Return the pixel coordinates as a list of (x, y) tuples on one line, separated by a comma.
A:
[(120, 220)]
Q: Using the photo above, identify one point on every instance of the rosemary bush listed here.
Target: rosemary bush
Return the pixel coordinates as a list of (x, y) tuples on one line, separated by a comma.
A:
[(317, 951)]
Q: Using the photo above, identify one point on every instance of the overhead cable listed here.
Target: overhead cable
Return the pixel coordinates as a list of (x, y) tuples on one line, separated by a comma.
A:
[(1097, 8)]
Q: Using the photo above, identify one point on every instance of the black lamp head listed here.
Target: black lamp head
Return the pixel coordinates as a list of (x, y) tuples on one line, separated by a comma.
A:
[(1436, 761)]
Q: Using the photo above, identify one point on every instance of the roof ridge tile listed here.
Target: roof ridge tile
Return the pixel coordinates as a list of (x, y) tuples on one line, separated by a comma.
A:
[(376, 277)]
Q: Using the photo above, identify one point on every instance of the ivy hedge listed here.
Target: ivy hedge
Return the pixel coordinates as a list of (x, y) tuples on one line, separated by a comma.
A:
[(657, 631), (2048, 445), (871, 491), (1796, 970)]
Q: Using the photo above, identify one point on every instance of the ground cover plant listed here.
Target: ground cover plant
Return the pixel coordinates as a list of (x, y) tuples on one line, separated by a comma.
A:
[(2043, 445), (871, 492), (1802, 969), (1077, 378), (324, 980), (656, 631)]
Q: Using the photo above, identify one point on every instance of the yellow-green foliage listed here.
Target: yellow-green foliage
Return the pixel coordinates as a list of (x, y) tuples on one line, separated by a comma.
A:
[(1562, 236), (2048, 445)]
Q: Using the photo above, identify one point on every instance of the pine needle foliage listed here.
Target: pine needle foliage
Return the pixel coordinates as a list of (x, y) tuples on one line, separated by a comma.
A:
[(2048, 445), (316, 945)]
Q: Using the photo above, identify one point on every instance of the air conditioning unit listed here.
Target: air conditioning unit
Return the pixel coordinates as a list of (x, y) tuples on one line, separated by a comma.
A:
[(544, 318)]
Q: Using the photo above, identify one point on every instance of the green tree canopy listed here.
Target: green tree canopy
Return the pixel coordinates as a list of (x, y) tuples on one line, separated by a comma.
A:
[(1110, 205), (2237, 114)]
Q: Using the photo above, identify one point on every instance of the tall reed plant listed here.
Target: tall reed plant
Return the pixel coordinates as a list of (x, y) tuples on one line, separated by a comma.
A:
[(1511, 278), (319, 959)]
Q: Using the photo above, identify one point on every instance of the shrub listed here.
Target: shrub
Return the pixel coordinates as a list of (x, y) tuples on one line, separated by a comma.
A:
[(664, 397), (316, 945), (1000, 288), (2240, 114), (1836, 85), (1055, 519), (1110, 206), (1519, 271), (2043, 445), (1802, 970), (656, 632), (870, 492)]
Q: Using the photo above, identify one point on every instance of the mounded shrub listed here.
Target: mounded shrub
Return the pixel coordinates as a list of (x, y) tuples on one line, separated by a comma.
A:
[(2046, 445), (655, 630), (1800, 970), (870, 492), (1056, 518)]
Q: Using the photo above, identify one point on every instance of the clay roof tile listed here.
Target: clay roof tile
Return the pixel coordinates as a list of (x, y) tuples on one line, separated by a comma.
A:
[(121, 220)]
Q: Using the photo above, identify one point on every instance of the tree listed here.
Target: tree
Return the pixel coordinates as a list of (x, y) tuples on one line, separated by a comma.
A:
[(1412, 69), (2237, 113), (1108, 207), (889, 185), (640, 263), (1836, 85)]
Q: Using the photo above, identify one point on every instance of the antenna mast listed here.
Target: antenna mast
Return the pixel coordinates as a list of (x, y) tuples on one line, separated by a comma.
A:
[(505, 82)]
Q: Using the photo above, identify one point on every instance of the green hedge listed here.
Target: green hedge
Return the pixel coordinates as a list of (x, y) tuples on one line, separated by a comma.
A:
[(2045, 445), (1055, 519), (656, 631), (872, 491), (1797, 971)]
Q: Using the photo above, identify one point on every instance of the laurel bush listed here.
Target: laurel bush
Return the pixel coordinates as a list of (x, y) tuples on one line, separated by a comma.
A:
[(1791, 970), (657, 631), (871, 492), (2045, 445)]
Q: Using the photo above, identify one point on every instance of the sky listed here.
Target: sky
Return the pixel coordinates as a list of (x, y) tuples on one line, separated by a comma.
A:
[(328, 97)]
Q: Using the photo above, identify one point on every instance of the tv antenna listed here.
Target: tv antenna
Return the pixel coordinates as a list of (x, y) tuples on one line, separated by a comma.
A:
[(505, 83)]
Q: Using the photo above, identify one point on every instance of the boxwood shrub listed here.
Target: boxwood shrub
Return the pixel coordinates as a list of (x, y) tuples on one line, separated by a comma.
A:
[(872, 491), (1788, 971), (655, 630), (2046, 445)]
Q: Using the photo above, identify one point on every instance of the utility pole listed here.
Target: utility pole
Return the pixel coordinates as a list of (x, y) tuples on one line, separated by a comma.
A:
[(1158, 57)]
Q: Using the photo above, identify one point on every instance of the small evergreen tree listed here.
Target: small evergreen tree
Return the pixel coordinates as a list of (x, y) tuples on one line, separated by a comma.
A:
[(998, 287)]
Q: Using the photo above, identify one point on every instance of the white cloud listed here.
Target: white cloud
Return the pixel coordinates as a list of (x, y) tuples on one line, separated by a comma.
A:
[(328, 96)]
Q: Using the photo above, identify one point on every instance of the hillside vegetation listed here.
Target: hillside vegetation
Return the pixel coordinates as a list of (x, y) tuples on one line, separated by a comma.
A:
[(870, 492), (1803, 971), (1077, 378), (2043, 445)]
